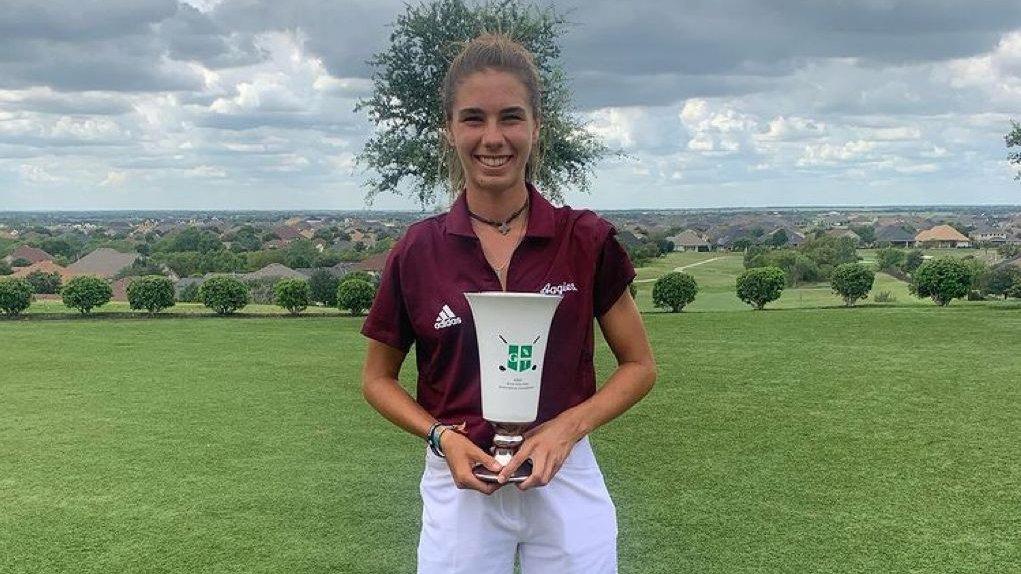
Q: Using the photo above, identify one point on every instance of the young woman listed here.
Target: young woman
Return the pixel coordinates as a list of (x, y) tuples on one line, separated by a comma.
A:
[(501, 234)]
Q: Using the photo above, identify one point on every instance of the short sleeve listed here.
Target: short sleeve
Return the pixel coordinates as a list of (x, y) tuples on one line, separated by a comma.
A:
[(388, 321), (614, 272)]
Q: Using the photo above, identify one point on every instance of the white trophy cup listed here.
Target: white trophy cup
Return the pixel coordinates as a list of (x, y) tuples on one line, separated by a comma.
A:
[(512, 330)]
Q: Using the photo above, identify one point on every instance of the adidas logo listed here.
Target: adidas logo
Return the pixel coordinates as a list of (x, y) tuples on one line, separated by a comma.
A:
[(446, 318)]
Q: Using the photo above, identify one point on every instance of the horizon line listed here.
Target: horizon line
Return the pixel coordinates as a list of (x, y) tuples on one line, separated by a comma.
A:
[(365, 210)]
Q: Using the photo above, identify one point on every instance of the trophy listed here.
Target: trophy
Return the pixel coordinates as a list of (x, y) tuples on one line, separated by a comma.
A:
[(512, 330)]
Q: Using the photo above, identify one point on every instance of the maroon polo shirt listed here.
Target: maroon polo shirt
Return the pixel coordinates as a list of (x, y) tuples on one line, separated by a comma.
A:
[(421, 300)]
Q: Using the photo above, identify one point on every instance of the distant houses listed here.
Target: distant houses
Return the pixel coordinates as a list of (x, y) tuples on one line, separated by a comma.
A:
[(28, 253), (689, 240), (942, 236), (896, 235), (45, 266), (103, 262)]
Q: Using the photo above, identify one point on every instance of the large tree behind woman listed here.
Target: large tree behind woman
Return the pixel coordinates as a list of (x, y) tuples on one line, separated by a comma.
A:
[(407, 152)]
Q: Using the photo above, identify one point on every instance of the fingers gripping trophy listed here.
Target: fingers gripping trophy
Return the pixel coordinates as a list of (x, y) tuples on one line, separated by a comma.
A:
[(512, 331)]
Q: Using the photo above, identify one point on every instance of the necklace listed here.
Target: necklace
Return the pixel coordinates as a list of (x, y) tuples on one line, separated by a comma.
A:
[(501, 268), (500, 226)]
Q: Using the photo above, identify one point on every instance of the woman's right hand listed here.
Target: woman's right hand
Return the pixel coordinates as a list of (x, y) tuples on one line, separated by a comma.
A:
[(462, 456)]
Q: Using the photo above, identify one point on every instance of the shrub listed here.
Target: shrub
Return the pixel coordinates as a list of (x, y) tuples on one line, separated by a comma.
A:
[(189, 294), (355, 294), (1001, 279), (633, 289), (912, 260), (153, 293), (260, 291), (852, 281), (20, 262), (943, 280), (884, 297), (674, 290), (976, 295), (889, 258), (224, 294), (364, 276), (797, 267), (5, 269), (85, 293), (760, 285), (43, 282), (15, 296), (323, 287), (293, 295)]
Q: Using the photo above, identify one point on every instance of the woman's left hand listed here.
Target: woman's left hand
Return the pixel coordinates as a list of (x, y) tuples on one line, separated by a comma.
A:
[(548, 446)]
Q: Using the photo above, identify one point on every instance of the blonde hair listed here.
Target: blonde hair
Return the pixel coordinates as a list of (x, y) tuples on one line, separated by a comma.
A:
[(490, 51)]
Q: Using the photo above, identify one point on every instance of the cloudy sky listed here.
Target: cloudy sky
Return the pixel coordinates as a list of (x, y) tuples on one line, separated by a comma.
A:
[(248, 104)]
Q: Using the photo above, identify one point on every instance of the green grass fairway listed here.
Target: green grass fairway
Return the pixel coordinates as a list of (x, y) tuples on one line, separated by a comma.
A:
[(881, 439)]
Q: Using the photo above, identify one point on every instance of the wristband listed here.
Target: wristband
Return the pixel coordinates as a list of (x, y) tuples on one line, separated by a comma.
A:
[(432, 440)]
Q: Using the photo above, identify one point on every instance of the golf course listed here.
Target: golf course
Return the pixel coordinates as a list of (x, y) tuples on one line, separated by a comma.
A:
[(807, 437)]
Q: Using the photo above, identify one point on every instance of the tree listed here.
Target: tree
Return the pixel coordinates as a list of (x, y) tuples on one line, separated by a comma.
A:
[(1015, 290), (85, 293), (867, 233), (301, 253), (406, 153), (15, 296), (943, 279), (852, 281), (756, 256), (190, 239), (224, 294), (742, 244), (246, 239), (827, 252), (796, 267), (323, 287), (760, 285), (674, 290), (1002, 278), (153, 293), (979, 270), (1013, 139), (293, 295), (913, 260), (355, 294), (43, 282), (889, 258), (778, 238), (364, 276)]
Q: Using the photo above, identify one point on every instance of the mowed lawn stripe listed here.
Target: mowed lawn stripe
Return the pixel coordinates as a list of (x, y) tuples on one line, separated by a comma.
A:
[(827, 440)]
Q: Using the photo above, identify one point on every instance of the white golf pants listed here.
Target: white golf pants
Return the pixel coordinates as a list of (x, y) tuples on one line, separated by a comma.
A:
[(568, 526)]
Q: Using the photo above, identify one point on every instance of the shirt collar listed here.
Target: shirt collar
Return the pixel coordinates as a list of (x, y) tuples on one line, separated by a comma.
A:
[(540, 216)]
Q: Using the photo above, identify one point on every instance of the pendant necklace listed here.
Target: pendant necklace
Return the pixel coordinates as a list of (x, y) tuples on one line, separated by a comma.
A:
[(501, 226), (501, 268)]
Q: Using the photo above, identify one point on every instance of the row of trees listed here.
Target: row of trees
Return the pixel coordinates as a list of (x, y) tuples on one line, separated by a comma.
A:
[(225, 295), (942, 279)]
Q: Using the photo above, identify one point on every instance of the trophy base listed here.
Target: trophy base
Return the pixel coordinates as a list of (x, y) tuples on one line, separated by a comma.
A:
[(486, 475)]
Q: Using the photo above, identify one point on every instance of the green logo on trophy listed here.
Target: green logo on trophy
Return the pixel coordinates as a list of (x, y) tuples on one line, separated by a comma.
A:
[(519, 357)]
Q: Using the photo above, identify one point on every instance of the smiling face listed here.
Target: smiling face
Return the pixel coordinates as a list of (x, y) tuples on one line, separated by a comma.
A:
[(493, 129)]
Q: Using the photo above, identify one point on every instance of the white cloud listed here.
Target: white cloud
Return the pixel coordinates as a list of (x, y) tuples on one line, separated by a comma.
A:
[(833, 154), (114, 179), (37, 174), (205, 171), (725, 130)]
